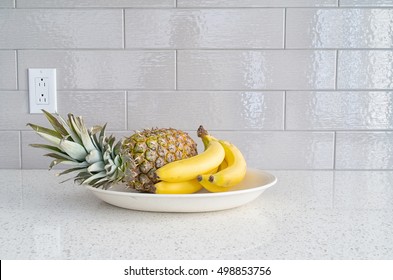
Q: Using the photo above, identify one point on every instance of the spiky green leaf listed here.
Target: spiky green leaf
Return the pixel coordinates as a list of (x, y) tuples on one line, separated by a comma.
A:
[(87, 141), (55, 123), (96, 167), (44, 130), (73, 124), (51, 139), (47, 147), (59, 156), (70, 130), (94, 156), (70, 170), (102, 174), (73, 149)]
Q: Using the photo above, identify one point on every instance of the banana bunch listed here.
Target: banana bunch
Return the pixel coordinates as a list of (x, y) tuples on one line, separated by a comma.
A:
[(220, 167)]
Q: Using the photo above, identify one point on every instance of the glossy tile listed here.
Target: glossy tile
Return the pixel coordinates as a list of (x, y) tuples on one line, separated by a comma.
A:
[(33, 158), (284, 149), (61, 28), (364, 150), (8, 70), (9, 149), (339, 28), (15, 112), (102, 70), (365, 69), (366, 3), (204, 28), (265, 150), (221, 110), (270, 69), (7, 4), (330, 110), (256, 3), (371, 190), (94, 3), (95, 107)]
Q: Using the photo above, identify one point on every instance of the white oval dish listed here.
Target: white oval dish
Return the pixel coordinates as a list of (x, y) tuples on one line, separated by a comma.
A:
[(253, 185)]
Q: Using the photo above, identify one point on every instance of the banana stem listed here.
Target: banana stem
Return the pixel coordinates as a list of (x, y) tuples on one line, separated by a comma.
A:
[(201, 131)]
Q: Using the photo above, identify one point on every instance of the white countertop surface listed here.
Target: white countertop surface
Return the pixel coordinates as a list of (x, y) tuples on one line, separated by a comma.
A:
[(306, 215)]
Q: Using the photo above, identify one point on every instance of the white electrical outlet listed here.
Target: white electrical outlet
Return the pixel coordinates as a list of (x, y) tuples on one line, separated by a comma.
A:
[(42, 90)]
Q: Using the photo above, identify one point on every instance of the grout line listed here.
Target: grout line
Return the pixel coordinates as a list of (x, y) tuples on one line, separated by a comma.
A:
[(204, 8), (176, 74), (285, 111), (213, 90), (334, 149), (126, 109), (336, 72), (20, 150), (285, 29), (204, 49), (17, 69), (124, 28)]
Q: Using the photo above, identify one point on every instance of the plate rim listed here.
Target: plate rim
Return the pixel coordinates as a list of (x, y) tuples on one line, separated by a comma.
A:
[(272, 181)]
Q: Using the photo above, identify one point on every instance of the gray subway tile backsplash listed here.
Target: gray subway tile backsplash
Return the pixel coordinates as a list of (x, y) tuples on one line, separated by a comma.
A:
[(103, 69), (204, 28), (60, 28), (366, 3), (256, 3), (364, 150), (264, 70), (339, 28), (284, 149), (95, 3), (365, 69), (216, 110), (296, 84), (8, 79), (339, 110), (10, 149), (7, 3)]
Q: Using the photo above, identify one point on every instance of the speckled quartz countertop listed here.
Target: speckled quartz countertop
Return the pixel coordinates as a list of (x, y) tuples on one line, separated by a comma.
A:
[(306, 215)]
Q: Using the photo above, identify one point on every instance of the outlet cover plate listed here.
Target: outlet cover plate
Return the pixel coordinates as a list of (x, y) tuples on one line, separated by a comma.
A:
[(42, 90)]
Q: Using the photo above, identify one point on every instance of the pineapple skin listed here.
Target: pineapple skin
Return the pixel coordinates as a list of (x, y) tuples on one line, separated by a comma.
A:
[(151, 149)]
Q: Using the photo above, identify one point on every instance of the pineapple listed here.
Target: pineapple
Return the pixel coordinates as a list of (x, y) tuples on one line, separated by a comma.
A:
[(101, 161)]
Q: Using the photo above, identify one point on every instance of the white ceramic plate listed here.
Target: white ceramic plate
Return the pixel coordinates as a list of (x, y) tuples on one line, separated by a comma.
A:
[(254, 184)]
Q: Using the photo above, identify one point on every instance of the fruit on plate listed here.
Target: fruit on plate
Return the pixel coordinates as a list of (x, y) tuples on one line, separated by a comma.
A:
[(219, 168), (101, 161), (230, 173), (185, 187), (162, 161), (189, 168)]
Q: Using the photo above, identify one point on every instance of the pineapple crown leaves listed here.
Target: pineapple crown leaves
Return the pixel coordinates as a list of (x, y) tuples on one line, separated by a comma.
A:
[(95, 156)]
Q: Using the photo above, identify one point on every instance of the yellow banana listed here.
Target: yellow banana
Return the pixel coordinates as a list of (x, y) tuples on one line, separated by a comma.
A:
[(186, 187), (234, 172), (204, 181), (189, 168), (223, 165)]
